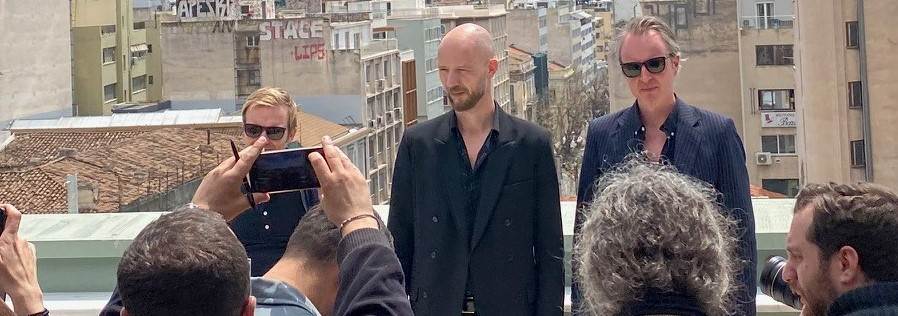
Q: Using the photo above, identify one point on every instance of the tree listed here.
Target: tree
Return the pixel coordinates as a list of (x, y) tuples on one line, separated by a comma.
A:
[(566, 112)]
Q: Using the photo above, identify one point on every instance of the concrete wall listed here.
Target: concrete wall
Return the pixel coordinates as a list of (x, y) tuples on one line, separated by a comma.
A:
[(882, 77), (523, 29), (824, 117), (198, 59), (89, 75), (36, 65), (94, 12), (326, 74)]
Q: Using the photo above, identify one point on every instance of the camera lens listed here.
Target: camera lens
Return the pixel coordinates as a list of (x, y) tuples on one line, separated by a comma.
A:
[(773, 285)]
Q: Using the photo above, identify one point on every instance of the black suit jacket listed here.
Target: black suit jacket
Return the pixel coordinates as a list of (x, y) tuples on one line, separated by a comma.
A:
[(514, 254), (707, 148)]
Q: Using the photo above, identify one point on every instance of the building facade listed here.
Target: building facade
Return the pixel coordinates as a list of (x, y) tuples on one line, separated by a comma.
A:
[(420, 30), (847, 84), (112, 57), (36, 65)]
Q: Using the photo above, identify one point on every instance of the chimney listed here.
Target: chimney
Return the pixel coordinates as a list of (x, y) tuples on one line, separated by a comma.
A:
[(71, 186), (66, 152)]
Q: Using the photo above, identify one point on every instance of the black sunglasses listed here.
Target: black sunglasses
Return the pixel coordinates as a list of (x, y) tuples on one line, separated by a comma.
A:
[(654, 65), (254, 131)]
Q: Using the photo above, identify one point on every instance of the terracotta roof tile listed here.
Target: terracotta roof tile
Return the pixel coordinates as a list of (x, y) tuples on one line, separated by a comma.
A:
[(312, 128)]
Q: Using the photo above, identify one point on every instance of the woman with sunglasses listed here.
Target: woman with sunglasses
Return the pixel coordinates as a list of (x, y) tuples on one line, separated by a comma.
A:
[(265, 229), (665, 129)]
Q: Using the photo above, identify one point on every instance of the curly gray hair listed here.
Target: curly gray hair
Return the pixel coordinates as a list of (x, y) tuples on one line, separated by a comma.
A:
[(650, 227)]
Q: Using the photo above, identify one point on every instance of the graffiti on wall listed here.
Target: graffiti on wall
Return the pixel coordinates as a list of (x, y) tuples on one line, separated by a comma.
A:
[(193, 10), (309, 52), (292, 29)]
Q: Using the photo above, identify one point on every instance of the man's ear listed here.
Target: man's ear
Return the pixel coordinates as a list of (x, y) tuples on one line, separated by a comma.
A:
[(249, 307), (850, 274), (493, 66)]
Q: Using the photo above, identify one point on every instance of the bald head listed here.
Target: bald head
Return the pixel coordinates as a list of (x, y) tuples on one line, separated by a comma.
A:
[(468, 39)]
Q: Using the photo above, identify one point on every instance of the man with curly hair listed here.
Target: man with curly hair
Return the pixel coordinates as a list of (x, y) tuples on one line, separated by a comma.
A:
[(655, 243)]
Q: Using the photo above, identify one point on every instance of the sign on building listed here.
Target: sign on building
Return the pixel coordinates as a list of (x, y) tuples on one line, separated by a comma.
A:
[(207, 10), (779, 119)]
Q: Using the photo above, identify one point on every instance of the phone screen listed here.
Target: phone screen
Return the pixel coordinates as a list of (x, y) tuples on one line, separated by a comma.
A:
[(284, 171)]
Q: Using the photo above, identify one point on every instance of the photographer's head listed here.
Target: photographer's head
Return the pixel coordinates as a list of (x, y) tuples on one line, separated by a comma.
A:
[(839, 241), (187, 262), (653, 232), (270, 111), (310, 261)]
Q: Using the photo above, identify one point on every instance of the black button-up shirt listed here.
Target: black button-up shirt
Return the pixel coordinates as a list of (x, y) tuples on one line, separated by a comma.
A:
[(472, 176), (669, 127)]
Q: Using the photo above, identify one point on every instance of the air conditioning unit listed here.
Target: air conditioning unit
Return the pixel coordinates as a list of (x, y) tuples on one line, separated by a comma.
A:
[(763, 159)]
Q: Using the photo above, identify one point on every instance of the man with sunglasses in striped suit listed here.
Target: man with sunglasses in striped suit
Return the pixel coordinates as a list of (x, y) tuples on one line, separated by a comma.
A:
[(265, 230), (665, 129)]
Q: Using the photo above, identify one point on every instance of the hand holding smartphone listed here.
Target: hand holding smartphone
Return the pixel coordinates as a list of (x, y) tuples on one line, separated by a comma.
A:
[(285, 170)]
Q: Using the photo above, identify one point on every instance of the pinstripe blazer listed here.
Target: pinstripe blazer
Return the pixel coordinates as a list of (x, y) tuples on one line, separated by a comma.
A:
[(707, 148)]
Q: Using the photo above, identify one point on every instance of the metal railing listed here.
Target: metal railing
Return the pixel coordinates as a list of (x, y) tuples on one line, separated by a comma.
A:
[(767, 22)]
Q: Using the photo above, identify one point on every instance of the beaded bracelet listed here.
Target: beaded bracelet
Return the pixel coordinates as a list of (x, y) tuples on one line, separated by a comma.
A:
[(357, 217)]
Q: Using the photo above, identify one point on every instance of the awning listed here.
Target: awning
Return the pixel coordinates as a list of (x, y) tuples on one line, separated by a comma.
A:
[(581, 15), (139, 48)]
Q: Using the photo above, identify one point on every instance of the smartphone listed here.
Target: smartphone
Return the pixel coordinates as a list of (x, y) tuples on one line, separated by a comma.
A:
[(285, 170)]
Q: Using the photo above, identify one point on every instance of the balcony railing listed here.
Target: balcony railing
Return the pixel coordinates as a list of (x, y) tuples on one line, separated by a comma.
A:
[(767, 22)]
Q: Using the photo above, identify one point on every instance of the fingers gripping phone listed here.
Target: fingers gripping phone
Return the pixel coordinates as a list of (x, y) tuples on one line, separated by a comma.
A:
[(285, 170)]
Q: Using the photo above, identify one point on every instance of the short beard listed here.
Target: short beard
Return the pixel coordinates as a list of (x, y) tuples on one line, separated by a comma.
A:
[(468, 104), (818, 305)]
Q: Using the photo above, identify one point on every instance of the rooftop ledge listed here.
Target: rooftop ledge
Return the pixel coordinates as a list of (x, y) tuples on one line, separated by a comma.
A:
[(78, 253)]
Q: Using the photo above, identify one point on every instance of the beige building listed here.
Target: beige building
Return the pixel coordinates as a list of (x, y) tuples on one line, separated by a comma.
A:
[(847, 84), (603, 25), (522, 85), (112, 57), (36, 62)]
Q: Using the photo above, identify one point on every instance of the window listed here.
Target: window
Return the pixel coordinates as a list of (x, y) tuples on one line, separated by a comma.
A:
[(430, 65), (109, 55), (776, 100), (765, 14), (254, 77), (787, 187), (139, 83), (773, 55), (149, 79), (778, 144), (855, 94), (140, 25), (149, 49), (336, 40), (542, 21), (252, 41), (387, 71), (858, 155), (680, 15), (109, 93), (851, 34), (346, 39)]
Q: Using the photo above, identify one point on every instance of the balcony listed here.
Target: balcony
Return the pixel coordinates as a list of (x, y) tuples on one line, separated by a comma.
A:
[(767, 22), (379, 46)]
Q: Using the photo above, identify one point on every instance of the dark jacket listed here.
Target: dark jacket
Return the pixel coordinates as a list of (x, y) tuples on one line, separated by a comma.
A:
[(878, 299), (264, 232), (514, 252), (707, 148)]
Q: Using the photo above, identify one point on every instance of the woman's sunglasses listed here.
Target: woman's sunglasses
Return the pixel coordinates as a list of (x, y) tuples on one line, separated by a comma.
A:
[(634, 69), (254, 131)]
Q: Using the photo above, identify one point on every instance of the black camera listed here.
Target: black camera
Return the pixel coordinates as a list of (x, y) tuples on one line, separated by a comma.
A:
[(773, 285)]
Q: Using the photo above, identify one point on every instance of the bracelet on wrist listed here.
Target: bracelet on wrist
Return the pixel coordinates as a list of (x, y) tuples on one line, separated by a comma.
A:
[(358, 217)]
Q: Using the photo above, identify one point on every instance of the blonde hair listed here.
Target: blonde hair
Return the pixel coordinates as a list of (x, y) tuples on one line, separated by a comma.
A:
[(271, 97), (643, 24)]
